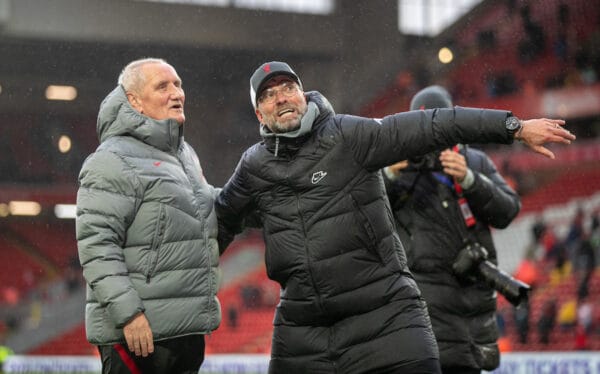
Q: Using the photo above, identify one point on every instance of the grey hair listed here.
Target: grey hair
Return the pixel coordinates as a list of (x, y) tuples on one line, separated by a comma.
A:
[(131, 77)]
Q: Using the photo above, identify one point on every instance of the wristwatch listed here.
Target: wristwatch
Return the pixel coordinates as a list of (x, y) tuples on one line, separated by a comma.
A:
[(513, 124)]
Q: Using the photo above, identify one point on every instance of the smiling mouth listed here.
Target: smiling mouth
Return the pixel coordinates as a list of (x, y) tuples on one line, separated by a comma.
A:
[(284, 112)]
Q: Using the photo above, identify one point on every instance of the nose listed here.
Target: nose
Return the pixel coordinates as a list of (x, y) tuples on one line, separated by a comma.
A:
[(279, 96), (176, 92)]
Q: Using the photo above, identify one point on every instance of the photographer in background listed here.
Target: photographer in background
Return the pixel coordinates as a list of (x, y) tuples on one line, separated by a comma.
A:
[(444, 203)]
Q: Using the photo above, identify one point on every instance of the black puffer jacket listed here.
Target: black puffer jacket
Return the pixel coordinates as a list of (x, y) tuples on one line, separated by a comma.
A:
[(348, 302), (428, 212)]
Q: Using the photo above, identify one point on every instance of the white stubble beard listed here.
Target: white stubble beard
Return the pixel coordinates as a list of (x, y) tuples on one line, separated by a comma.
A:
[(280, 128)]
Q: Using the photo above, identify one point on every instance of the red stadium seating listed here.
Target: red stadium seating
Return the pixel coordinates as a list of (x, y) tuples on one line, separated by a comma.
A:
[(575, 182), (467, 77), (255, 325), (560, 339), (55, 241), (72, 342), (20, 271)]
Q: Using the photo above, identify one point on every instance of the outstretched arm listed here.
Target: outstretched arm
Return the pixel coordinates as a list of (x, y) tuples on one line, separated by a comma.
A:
[(379, 143), (536, 132)]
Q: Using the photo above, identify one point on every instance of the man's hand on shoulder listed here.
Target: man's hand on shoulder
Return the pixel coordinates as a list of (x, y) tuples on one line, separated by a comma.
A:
[(537, 132), (139, 335)]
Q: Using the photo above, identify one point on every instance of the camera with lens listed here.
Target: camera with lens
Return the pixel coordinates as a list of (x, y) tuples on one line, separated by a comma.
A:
[(471, 264), (427, 162)]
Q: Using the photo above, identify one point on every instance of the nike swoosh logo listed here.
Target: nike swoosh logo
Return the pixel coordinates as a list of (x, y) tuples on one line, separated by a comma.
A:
[(316, 177)]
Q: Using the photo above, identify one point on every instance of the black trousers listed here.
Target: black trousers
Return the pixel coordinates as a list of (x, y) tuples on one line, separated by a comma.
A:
[(178, 356)]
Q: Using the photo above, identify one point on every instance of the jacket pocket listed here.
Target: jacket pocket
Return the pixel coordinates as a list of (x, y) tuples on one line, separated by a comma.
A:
[(371, 242), (157, 239)]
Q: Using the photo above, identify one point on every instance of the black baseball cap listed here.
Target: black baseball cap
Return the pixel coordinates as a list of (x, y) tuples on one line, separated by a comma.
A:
[(431, 97), (267, 71)]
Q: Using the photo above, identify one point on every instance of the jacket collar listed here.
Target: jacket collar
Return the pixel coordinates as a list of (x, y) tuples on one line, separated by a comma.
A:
[(318, 109)]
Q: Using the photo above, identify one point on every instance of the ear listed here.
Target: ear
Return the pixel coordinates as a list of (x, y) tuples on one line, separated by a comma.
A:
[(258, 115), (134, 101)]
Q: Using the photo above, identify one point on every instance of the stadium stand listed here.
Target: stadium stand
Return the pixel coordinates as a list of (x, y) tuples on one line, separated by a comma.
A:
[(242, 270), (484, 68), (53, 240), (71, 342), (578, 181), (560, 339), (37, 252), (254, 298), (20, 270)]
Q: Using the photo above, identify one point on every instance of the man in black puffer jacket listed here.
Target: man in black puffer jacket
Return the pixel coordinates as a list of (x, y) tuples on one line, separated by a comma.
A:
[(429, 195), (348, 301)]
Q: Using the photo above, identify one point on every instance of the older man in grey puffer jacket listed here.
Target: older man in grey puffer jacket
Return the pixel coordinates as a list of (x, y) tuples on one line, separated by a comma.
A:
[(146, 230)]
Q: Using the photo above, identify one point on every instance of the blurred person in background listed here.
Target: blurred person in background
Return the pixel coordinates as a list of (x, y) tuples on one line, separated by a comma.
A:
[(442, 201), (349, 303), (546, 320), (147, 230), (5, 351), (566, 317)]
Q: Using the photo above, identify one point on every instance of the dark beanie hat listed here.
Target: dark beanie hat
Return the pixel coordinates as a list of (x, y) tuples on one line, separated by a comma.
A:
[(431, 97), (265, 72)]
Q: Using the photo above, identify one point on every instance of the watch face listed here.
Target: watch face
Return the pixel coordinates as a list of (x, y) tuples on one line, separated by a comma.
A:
[(512, 123)]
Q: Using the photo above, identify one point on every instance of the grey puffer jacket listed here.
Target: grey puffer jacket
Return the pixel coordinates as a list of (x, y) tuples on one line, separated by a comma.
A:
[(146, 229), (348, 301)]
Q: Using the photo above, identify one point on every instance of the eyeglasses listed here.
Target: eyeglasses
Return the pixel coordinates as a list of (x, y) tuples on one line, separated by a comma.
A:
[(268, 96)]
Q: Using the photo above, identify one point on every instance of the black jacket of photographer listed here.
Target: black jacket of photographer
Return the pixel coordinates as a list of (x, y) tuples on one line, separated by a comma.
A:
[(348, 302), (433, 230)]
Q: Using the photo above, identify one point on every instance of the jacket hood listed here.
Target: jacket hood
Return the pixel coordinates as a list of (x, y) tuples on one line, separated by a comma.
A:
[(117, 117), (325, 108)]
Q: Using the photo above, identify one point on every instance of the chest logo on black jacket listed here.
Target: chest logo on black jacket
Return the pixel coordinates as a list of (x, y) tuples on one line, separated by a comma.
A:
[(316, 177)]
